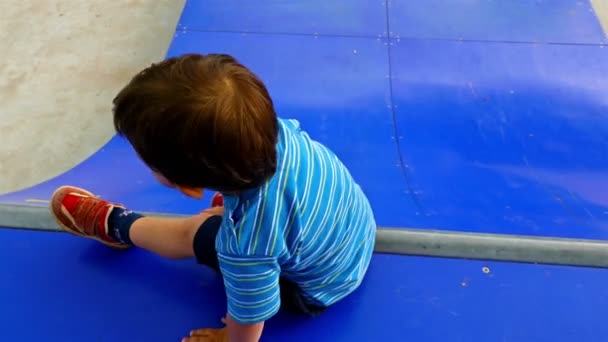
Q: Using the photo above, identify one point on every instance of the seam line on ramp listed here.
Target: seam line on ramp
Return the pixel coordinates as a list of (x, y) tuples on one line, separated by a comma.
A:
[(395, 37)]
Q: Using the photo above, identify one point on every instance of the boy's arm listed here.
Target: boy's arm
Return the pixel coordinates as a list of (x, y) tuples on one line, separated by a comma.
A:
[(243, 332), (253, 293)]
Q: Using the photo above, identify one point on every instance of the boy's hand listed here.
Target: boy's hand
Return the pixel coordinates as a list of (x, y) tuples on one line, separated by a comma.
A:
[(239, 333), (208, 335), (213, 211)]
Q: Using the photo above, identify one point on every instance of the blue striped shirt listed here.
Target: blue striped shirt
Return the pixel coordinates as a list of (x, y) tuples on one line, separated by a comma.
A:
[(310, 224)]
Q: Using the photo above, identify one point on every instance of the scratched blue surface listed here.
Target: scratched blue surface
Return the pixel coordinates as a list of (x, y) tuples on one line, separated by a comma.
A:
[(336, 17), (505, 137), (61, 288), (556, 21)]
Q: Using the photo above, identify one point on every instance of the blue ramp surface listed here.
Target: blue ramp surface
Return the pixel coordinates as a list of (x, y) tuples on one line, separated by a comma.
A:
[(548, 21), (465, 115), (312, 17), (60, 288), (505, 137)]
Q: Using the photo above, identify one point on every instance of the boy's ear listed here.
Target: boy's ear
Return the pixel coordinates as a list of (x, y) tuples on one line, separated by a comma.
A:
[(196, 193)]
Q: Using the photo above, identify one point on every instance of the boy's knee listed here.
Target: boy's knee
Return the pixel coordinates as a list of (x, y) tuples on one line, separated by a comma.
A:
[(210, 217), (191, 226)]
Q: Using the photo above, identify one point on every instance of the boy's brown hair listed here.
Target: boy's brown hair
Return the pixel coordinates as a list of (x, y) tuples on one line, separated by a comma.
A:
[(201, 121)]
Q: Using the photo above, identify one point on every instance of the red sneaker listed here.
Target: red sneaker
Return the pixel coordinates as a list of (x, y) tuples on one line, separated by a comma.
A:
[(79, 212)]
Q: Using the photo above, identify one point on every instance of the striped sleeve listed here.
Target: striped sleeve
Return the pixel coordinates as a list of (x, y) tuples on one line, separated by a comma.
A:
[(252, 287)]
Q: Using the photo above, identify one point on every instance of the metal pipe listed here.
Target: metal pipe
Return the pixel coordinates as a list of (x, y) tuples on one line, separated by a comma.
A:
[(406, 241)]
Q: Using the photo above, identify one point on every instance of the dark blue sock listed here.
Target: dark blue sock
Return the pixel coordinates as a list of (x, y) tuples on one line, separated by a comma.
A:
[(119, 224)]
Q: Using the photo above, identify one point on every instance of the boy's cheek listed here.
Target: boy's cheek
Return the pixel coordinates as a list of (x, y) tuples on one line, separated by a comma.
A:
[(190, 192), (196, 193)]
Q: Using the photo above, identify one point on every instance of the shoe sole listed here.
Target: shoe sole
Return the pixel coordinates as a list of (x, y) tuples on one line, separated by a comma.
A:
[(54, 209)]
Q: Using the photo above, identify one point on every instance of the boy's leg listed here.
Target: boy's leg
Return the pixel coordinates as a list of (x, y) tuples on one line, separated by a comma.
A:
[(81, 213), (168, 237), (293, 301)]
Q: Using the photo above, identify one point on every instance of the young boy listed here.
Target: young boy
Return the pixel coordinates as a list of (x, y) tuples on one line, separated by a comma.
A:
[(295, 230)]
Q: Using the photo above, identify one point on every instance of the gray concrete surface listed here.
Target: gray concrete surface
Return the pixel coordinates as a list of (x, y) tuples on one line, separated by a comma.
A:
[(62, 63), (601, 10)]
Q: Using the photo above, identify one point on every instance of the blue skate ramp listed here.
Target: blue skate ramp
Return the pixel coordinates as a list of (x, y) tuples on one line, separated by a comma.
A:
[(475, 138), (60, 288), (465, 116)]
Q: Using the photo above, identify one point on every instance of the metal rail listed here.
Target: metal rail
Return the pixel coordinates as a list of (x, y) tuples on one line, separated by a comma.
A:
[(406, 241)]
